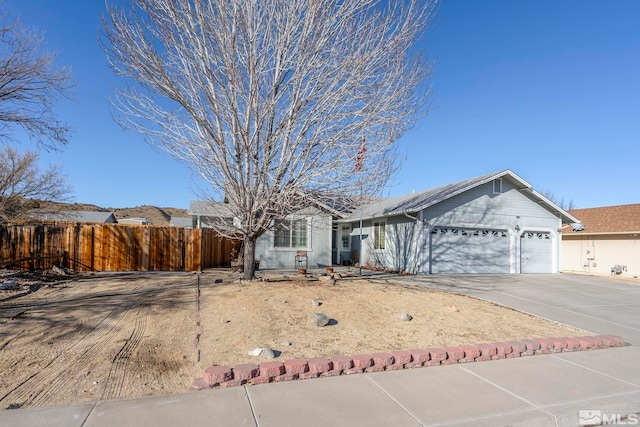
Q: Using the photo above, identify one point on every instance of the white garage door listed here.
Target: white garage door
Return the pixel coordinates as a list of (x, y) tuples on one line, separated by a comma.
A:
[(465, 250), (536, 252)]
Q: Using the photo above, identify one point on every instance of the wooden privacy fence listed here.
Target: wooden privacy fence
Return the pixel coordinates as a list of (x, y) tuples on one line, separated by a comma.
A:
[(112, 247)]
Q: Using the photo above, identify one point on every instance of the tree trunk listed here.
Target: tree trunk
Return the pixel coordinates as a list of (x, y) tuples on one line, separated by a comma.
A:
[(249, 258)]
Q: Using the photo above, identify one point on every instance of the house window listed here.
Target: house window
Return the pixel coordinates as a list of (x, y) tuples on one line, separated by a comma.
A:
[(290, 233), (497, 186), (346, 234), (379, 235)]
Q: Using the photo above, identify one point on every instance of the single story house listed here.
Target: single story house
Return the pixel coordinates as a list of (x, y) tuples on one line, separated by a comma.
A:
[(135, 221), (74, 216), (179, 221), (495, 223), (607, 241), (306, 232)]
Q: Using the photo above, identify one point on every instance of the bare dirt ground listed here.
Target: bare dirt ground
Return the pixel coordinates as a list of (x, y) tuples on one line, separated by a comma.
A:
[(66, 340)]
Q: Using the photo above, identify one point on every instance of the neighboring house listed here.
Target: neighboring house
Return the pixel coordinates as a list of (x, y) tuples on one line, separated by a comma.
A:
[(307, 230), (74, 216), (178, 221), (495, 223), (607, 243), (135, 221)]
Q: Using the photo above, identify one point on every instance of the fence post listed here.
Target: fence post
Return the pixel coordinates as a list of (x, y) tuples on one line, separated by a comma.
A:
[(146, 248)]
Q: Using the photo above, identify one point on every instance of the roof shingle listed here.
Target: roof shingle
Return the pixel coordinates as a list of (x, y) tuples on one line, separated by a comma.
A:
[(609, 219)]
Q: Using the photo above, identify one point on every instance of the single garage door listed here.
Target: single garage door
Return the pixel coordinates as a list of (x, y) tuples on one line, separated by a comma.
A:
[(536, 252), (465, 250)]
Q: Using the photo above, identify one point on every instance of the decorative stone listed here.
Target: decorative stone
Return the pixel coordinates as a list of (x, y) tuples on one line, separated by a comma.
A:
[(217, 374), (9, 285), (321, 319), (265, 352), (405, 316), (245, 372), (327, 280)]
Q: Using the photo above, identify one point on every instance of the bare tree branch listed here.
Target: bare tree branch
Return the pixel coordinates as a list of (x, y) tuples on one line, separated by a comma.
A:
[(270, 100), (23, 185), (561, 202), (30, 86)]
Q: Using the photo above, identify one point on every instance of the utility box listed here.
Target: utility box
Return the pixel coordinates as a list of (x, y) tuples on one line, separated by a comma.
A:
[(590, 252)]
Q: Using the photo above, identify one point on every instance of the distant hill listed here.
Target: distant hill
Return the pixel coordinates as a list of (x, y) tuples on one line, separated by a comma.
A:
[(158, 216)]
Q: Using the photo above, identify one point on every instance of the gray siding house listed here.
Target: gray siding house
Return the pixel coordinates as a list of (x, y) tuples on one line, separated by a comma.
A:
[(308, 231), (496, 223)]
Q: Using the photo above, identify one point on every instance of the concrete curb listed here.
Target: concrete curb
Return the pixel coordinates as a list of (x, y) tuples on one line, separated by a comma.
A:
[(300, 369)]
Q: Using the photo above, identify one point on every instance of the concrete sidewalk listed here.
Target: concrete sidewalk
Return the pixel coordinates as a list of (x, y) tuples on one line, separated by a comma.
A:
[(544, 390)]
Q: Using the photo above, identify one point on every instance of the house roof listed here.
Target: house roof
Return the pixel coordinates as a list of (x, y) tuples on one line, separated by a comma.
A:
[(416, 202), (179, 221), (608, 219), (75, 216), (337, 206), (209, 208)]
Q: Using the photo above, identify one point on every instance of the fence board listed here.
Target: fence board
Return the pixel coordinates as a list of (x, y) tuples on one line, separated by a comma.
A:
[(112, 247)]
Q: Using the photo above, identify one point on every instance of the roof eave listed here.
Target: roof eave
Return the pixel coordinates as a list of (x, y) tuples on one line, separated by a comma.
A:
[(601, 233)]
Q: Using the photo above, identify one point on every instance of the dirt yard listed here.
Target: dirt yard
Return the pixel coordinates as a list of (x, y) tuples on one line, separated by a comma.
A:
[(66, 340)]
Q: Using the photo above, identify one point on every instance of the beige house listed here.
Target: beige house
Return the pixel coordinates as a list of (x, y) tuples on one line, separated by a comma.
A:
[(606, 242)]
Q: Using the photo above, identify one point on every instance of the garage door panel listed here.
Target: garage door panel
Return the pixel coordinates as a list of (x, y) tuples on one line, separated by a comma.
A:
[(463, 250), (536, 251)]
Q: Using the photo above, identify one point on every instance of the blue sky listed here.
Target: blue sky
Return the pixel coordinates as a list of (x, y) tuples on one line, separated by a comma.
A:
[(549, 89)]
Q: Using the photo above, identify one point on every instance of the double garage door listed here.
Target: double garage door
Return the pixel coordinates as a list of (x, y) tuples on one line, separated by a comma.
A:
[(486, 251)]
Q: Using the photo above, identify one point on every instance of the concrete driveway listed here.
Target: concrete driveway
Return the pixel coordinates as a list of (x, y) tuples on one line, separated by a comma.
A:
[(600, 305)]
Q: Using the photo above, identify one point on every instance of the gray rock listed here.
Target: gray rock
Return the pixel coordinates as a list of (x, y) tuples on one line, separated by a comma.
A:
[(9, 285), (316, 302), (405, 316), (321, 319), (327, 280), (265, 352), (57, 270)]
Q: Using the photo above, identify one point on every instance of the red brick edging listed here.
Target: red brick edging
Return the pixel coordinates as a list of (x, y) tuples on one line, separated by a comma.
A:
[(299, 369)]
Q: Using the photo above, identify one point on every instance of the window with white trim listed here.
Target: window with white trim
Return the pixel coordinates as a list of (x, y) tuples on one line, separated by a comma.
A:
[(379, 234), (291, 233), (497, 186), (346, 234)]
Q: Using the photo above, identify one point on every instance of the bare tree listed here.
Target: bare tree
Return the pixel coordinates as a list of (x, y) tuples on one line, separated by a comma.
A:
[(23, 184), (272, 101), (562, 203), (30, 86)]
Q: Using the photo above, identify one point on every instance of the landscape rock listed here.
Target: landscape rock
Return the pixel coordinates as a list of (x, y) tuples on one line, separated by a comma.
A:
[(265, 352), (316, 302), (57, 270), (328, 280), (321, 319), (405, 316), (9, 285)]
